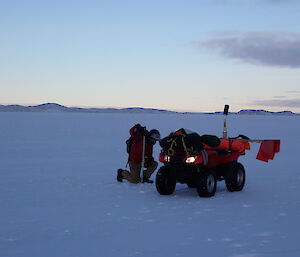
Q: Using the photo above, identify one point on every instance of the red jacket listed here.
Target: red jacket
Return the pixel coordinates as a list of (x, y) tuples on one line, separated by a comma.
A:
[(136, 150)]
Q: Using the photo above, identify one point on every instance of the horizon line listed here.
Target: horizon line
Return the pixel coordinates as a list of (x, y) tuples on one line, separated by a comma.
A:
[(144, 108)]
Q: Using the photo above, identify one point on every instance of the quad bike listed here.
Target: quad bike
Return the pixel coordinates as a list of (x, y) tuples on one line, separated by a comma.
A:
[(203, 166), (201, 171)]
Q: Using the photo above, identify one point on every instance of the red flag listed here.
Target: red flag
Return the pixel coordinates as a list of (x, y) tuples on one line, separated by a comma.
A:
[(267, 150)]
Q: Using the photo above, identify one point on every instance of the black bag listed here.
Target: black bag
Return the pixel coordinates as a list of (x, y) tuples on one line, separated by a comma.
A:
[(210, 140), (182, 143), (193, 143)]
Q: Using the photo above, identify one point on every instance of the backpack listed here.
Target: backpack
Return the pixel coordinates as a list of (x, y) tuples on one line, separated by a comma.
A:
[(129, 143)]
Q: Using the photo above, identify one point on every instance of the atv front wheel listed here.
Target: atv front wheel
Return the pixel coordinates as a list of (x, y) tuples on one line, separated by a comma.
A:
[(207, 183), (165, 182), (235, 178)]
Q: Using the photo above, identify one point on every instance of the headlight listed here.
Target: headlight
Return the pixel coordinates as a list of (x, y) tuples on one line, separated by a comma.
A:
[(164, 157), (191, 159), (167, 158)]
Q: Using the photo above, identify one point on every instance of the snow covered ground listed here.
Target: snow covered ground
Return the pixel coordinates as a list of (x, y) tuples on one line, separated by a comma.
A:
[(59, 196)]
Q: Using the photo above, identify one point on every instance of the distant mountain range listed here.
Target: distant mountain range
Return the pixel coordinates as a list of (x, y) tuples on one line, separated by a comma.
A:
[(53, 107)]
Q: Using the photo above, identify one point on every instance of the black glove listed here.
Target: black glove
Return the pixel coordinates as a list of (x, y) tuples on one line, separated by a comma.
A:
[(148, 161)]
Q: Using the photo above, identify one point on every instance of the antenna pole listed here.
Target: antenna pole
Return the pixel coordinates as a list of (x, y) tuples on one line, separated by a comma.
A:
[(225, 113)]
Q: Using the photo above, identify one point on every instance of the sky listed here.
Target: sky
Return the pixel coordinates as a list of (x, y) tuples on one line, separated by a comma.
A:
[(169, 54)]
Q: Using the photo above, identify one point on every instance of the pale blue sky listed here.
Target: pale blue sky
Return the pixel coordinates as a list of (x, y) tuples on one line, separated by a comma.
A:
[(178, 55)]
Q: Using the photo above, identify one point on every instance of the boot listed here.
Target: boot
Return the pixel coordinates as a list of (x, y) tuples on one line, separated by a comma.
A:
[(120, 176), (147, 180)]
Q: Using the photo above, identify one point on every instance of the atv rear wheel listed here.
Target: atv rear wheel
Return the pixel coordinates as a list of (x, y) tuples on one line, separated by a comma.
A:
[(235, 178), (207, 183), (165, 182)]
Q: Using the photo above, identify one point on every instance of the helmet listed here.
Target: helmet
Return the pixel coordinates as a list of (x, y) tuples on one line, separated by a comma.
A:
[(154, 133)]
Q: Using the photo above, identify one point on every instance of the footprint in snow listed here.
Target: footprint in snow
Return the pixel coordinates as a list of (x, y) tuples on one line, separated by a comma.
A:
[(227, 239), (283, 214), (246, 205), (238, 245), (265, 233), (246, 255), (198, 212), (10, 239)]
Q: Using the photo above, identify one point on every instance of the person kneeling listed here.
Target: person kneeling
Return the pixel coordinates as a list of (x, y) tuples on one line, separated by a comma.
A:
[(140, 150)]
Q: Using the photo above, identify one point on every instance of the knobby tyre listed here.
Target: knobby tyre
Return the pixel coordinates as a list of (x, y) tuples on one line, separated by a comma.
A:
[(236, 177), (165, 182), (207, 183)]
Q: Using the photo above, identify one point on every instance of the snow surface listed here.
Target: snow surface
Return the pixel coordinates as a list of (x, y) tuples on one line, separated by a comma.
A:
[(59, 196)]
